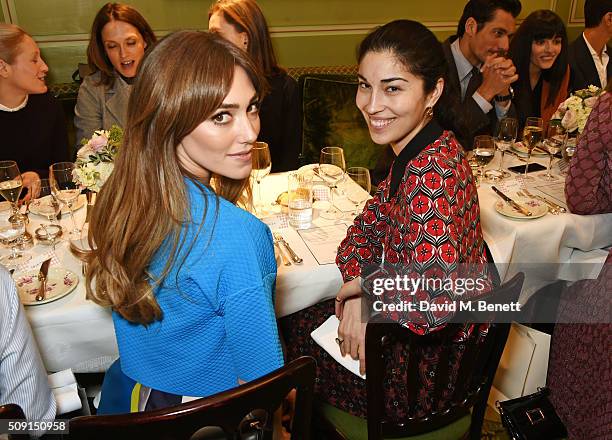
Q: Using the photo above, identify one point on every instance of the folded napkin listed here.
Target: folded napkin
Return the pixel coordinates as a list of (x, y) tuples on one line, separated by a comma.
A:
[(35, 262), (325, 336), (65, 390)]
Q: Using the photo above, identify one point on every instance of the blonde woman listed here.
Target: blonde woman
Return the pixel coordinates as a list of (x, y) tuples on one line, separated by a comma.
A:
[(189, 275), (31, 119)]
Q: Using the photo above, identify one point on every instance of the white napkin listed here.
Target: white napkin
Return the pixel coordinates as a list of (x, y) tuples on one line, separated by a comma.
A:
[(65, 390), (35, 262), (326, 336)]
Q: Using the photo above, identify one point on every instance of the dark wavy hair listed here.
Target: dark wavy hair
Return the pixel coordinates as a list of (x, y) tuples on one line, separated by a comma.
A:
[(96, 55), (539, 25), (420, 52), (483, 11)]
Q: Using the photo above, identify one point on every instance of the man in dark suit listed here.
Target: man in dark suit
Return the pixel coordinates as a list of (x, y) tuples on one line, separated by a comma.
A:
[(589, 54), (479, 72)]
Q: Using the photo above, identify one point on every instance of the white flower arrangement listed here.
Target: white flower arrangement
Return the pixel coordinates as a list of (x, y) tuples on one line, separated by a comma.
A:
[(95, 159), (575, 110)]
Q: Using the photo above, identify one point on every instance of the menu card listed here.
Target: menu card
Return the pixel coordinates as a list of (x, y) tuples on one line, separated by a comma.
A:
[(323, 241)]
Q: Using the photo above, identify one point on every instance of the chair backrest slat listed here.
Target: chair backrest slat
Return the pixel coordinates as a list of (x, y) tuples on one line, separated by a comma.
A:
[(226, 410)]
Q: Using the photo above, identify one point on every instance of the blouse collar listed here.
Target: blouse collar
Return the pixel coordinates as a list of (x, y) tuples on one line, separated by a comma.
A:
[(425, 137)]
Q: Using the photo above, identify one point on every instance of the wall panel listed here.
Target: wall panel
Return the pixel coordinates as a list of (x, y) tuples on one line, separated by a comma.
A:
[(304, 32)]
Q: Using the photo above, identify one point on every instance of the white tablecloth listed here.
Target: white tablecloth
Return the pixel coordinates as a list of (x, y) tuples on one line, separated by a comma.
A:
[(562, 247), (75, 333), (71, 332)]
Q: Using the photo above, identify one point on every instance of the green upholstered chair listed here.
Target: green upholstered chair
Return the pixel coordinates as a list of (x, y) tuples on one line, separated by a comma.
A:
[(330, 118), (461, 416)]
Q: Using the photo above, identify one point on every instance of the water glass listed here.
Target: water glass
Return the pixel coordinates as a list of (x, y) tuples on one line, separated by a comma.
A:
[(532, 136), (331, 169), (300, 200), (360, 185), (506, 135), (484, 151), (556, 138), (11, 233)]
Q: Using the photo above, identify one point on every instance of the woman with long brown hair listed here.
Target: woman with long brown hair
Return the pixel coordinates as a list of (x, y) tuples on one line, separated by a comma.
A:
[(189, 275), (242, 22), (119, 37)]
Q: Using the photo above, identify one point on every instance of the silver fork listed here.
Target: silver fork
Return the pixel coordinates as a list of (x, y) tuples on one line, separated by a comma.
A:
[(552, 210)]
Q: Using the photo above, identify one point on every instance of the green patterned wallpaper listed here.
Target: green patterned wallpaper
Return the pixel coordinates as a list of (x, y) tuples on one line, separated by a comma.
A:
[(304, 32)]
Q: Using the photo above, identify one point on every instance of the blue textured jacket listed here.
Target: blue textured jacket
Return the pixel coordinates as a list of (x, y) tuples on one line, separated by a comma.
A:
[(218, 320)]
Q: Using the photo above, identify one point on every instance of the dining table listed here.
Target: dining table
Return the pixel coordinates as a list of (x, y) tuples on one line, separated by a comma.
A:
[(73, 332)]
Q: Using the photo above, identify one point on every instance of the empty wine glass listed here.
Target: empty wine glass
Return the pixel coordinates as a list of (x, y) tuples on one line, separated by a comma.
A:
[(484, 151), (262, 164), (331, 170), (532, 136), (360, 192), (11, 232), (506, 135), (11, 183), (556, 138), (65, 189)]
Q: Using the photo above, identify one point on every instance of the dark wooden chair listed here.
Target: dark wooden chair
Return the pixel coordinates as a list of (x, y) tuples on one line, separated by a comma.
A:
[(13, 411), (226, 410), (462, 415)]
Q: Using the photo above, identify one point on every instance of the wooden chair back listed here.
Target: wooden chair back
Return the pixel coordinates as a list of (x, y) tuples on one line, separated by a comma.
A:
[(13, 411), (477, 369), (226, 410)]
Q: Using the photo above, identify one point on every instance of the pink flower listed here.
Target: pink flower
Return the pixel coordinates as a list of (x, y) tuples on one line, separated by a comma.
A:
[(98, 142), (570, 120), (590, 102)]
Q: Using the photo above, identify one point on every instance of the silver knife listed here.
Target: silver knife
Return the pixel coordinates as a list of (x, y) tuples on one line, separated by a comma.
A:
[(294, 257), (512, 202), (42, 278)]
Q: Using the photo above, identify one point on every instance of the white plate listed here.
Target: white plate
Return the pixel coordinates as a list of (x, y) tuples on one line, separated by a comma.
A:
[(37, 206), (519, 148), (537, 208), (60, 282)]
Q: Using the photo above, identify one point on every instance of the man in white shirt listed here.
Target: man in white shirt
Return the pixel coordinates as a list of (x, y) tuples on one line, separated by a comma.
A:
[(480, 74), (589, 54), (23, 379)]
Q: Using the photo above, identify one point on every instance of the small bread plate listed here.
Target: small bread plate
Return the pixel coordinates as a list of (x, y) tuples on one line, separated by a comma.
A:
[(60, 282), (538, 209), (43, 207), (519, 148)]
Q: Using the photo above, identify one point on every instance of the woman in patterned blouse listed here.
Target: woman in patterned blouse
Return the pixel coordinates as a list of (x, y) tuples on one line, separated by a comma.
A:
[(424, 218)]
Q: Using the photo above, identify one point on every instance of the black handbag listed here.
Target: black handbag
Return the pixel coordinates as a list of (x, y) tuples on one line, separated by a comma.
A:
[(531, 417)]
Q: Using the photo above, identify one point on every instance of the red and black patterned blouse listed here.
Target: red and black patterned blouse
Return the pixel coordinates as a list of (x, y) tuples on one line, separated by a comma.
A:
[(431, 222)]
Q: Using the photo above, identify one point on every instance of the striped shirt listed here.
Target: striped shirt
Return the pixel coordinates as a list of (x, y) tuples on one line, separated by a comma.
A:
[(23, 379)]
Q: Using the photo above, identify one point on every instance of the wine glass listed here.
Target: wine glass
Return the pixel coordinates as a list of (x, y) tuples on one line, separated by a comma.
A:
[(556, 138), (532, 136), (506, 135), (262, 164), (484, 151), (11, 233), (11, 183), (65, 189), (331, 170), (360, 192)]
